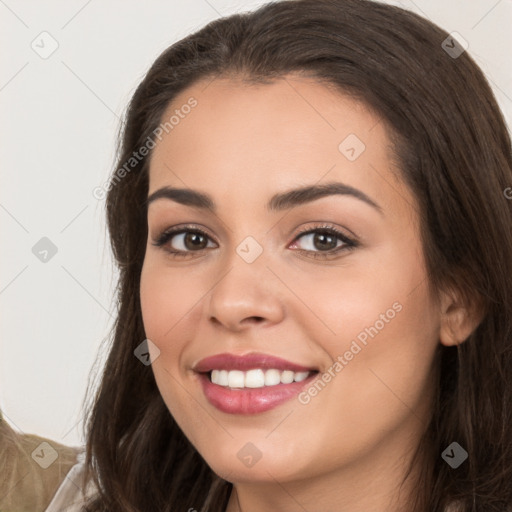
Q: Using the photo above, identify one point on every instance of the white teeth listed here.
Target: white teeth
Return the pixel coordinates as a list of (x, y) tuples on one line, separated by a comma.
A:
[(300, 376), (256, 378), (272, 377), (220, 377), (287, 377), (223, 378), (236, 379)]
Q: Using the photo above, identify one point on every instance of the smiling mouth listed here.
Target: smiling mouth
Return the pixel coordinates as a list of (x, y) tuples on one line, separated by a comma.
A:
[(239, 398), (252, 383), (256, 377)]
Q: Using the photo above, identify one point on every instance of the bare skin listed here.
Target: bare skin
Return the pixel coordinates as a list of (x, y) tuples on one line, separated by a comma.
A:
[(346, 448)]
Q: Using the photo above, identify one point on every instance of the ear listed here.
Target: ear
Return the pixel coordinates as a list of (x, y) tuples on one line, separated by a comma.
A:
[(459, 317)]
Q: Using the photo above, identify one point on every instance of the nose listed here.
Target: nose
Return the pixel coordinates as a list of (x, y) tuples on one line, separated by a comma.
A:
[(247, 294)]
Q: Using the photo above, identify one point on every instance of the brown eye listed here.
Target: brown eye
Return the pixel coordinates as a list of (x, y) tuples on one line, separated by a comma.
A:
[(183, 241), (194, 241), (323, 242)]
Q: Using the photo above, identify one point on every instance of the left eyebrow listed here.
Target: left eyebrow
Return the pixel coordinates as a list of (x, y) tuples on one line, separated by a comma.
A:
[(295, 197), (278, 202)]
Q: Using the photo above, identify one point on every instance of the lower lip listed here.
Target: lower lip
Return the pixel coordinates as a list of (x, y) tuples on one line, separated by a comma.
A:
[(250, 400)]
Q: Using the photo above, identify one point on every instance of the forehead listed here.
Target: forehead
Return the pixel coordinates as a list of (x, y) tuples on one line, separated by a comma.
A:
[(263, 137)]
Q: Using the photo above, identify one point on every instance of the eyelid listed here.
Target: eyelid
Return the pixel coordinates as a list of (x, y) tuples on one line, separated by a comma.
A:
[(326, 226)]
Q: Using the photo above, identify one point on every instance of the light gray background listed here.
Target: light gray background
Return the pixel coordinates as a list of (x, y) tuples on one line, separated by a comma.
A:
[(59, 119)]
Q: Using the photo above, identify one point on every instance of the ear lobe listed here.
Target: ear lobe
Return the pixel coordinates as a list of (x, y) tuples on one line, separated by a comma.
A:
[(458, 319)]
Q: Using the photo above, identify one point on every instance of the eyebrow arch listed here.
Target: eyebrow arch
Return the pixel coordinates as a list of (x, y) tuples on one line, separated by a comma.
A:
[(278, 202)]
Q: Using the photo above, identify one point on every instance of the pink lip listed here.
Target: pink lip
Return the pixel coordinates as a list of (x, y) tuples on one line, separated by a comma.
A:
[(249, 400), (228, 361)]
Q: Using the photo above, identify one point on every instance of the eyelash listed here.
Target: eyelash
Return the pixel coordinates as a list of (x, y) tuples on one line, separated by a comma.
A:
[(349, 244)]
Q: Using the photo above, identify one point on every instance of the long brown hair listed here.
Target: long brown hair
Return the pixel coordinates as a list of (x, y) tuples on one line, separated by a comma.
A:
[(453, 151)]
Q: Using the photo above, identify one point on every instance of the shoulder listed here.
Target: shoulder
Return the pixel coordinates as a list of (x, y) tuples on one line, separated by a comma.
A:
[(31, 468), (74, 492)]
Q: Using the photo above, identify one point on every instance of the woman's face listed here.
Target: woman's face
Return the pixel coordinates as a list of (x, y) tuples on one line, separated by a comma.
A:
[(271, 276)]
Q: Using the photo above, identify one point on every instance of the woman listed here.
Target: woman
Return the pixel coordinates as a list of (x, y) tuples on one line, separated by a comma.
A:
[(315, 255)]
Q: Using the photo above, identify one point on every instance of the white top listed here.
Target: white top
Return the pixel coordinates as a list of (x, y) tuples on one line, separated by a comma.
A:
[(72, 495)]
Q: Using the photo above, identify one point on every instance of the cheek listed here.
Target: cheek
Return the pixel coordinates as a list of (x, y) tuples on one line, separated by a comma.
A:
[(383, 332), (167, 300), (382, 302), (167, 297), (382, 380)]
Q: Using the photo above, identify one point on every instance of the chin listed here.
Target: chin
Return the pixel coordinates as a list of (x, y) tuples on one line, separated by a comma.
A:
[(245, 466)]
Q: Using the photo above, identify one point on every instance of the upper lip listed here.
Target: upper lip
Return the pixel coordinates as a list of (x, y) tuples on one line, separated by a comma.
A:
[(251, 361)]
